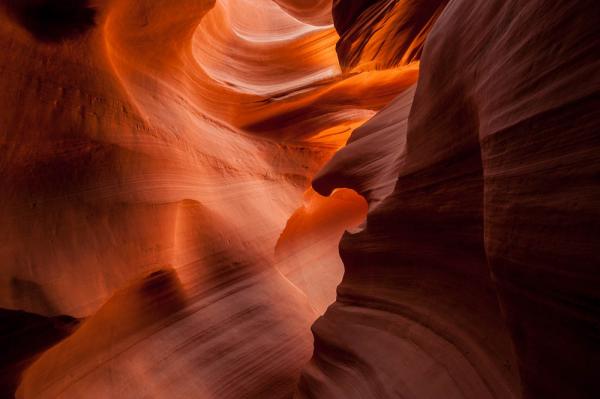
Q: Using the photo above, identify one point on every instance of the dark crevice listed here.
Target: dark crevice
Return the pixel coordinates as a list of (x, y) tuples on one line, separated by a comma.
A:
[(23, 336), (53, 20)]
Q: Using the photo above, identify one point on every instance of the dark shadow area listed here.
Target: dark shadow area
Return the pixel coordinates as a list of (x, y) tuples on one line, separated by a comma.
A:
[(161, 293), (23, 336), (53, 20)]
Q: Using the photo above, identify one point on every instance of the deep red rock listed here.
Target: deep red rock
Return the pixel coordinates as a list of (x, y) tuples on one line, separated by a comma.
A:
[(156, 159), (489, 239)]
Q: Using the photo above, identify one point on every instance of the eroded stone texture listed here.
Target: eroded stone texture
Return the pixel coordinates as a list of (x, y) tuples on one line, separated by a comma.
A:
[(155, 185), (381, 34), (488, 240), (145, 187)]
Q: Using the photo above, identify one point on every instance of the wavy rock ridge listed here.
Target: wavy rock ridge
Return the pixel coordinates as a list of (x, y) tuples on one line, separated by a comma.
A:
[(476, 275), (131, 157), (157, 167)]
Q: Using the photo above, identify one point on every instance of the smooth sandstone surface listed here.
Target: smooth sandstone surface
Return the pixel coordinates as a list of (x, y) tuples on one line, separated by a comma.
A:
[(477, 275), (381, 34), (130, 154), (177, 174)]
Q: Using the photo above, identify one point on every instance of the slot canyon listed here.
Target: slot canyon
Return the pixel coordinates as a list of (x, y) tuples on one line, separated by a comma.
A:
[(300, 199)]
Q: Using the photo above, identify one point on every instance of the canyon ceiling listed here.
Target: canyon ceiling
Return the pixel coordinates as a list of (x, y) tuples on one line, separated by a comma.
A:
[(309, 199)]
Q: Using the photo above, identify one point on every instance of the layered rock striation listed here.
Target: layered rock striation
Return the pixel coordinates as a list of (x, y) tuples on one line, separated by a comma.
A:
[(146, 185), (476, 276), (160, 237)]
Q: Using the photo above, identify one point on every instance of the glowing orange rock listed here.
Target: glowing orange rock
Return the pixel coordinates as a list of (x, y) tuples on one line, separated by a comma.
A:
[(306, 251)]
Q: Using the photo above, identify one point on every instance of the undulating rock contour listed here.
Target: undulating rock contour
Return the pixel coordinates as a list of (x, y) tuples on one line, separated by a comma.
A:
[(476, 275), (176, 176)]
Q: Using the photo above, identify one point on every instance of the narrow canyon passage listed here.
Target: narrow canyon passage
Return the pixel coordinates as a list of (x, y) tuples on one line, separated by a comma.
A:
[(168, 195), (300, 199)]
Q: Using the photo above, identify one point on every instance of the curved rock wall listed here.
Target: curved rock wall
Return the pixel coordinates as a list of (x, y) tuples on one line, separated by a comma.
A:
[(130, 155), (476, 277), (382, 34), (156, 167)]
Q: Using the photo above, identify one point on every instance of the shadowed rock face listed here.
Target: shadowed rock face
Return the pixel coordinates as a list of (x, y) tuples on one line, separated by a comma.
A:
[(382, 34), (150, 165), (24, 335), (156, 168), (53, 20), (480, 267)]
